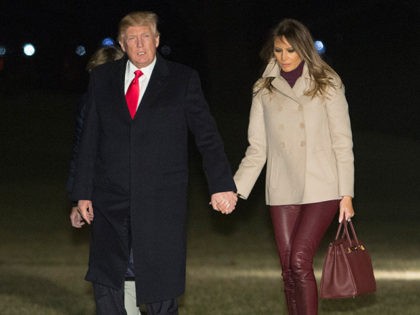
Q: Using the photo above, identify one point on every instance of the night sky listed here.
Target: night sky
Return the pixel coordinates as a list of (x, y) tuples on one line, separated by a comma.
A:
[(373, 45)]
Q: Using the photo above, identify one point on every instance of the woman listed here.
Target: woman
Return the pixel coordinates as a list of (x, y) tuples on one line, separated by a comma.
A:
[(299, 124)]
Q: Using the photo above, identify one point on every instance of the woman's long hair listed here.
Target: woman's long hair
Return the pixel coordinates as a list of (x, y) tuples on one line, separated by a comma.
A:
[(103, 55), (299, 37)]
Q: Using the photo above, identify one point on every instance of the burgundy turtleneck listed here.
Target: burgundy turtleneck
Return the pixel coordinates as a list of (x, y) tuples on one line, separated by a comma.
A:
[(293, 75)]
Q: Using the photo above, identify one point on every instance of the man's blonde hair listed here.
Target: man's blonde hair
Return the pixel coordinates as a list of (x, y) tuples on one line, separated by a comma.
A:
[(138, 18)]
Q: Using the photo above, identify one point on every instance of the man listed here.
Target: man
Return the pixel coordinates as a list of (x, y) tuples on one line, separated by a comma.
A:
[(100, 56), (132, 170)]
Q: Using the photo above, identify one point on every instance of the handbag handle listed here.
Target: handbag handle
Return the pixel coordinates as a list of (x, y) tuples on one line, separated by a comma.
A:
[(353, 231), (343, 228)]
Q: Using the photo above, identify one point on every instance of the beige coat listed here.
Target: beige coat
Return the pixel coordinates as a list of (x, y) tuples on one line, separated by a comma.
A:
[(306, 143)]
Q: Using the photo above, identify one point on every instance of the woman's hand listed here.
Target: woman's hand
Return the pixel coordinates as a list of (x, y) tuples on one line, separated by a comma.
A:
[(346, 209), (224, 202)]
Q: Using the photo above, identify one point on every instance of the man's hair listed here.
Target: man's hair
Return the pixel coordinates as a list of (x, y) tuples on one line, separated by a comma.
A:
[(104, 55), (138, 18)]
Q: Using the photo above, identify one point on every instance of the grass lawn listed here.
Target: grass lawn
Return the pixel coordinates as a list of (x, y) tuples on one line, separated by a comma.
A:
[(232, 264)]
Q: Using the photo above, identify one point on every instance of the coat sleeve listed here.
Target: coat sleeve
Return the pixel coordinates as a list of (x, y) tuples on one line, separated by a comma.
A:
[(256, 153), (207, 138), (341, 137), (80, 117), (86, 157)]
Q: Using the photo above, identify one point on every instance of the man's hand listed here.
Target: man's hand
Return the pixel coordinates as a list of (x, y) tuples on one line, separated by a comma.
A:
[(75, 218), (224, 202), (85, 209)]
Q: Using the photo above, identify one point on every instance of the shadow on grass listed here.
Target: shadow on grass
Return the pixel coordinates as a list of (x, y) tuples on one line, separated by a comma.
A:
[(347, 305), (40, 292), (80, 236)]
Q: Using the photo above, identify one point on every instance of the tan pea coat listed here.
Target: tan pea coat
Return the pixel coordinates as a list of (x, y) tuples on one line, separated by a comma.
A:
[(306, 143)]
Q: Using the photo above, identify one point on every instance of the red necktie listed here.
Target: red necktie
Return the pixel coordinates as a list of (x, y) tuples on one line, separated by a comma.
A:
[(133, 92)]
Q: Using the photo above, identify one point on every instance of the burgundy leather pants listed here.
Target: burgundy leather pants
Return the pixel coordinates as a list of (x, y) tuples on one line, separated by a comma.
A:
[(298, 230)]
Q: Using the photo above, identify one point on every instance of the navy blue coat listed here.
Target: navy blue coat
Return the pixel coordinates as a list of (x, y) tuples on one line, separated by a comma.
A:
[(136, 174)]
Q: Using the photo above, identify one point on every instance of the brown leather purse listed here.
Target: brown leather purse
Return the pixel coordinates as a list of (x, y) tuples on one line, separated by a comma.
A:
[(347, 270)]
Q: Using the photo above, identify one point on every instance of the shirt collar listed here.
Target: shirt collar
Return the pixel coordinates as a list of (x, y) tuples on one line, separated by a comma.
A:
[(147, 71)]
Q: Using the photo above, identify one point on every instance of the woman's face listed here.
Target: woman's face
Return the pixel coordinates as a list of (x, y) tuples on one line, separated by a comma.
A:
[(287, 57)]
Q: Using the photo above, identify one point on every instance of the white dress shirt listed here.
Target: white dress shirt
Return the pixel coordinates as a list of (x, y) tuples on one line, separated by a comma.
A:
[(143, 80)]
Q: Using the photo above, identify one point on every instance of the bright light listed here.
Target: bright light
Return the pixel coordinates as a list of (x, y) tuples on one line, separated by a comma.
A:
[(2, 51), (80, 50), (29, 49), (320, 47), (108, 42)]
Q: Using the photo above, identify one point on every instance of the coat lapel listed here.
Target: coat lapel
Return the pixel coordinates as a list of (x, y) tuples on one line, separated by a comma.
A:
[(118, 81), (301, 85), (156, 84), (284, 88), (154, 88)]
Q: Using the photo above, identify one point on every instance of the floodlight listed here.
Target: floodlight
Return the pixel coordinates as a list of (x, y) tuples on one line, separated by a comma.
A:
[(320, 47), (29, 49), (108, 41), (3, 50), (80, 50)]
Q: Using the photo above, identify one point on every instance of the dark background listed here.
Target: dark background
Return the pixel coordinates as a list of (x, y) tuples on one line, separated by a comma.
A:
[(373, 45)]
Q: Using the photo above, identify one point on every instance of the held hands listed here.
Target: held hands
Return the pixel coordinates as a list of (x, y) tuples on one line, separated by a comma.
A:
[(224, 202), (81, 214), (346, 209)]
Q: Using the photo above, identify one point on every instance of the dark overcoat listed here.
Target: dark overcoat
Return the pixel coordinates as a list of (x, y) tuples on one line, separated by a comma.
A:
[(136, 174)]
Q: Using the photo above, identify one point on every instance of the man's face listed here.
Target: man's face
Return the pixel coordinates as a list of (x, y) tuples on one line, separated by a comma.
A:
[(140, 44)]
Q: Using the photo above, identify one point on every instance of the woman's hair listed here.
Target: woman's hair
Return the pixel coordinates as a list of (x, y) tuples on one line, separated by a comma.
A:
[(138, 18), (103, 55), (301, 40)]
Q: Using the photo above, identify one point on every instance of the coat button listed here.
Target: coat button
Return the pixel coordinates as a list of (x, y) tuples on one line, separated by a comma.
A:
[(302, 143), (281, 127), (302, 125), (300, 108)]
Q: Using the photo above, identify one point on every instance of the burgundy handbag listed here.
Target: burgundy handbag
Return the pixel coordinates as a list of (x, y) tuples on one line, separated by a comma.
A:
[(347, 269)]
